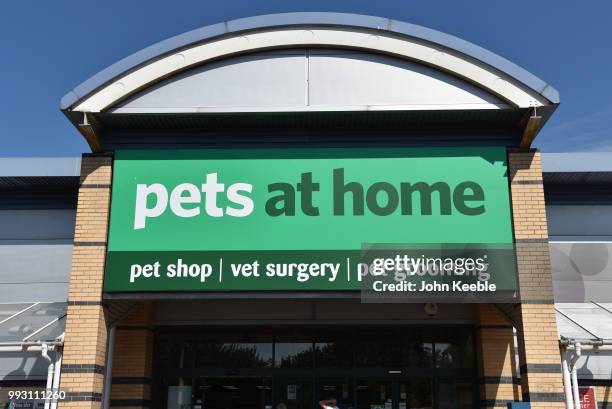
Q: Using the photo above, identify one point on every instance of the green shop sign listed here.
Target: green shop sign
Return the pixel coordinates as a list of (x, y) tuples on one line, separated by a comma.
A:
[(302, 219)]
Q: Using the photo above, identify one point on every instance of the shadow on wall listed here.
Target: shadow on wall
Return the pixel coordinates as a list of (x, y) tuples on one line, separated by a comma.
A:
[(521, 163), (581, 271), (20, 366)]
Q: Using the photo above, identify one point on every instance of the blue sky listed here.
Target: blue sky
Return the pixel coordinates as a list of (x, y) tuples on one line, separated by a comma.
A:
[(48, 47)]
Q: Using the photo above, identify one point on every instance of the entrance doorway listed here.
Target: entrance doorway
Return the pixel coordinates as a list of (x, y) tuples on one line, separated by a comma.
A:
[(375, 394), (294, 393), (382, 368)]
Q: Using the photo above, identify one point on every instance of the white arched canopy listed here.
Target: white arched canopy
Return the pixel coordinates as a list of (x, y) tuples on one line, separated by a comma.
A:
[(421, 47), (311, 62)]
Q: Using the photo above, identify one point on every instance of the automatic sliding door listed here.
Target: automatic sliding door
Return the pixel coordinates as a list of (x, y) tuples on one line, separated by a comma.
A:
[(415, 394), (294, 393), (374, 394), (335, 388), (455, 394), (232, 393)]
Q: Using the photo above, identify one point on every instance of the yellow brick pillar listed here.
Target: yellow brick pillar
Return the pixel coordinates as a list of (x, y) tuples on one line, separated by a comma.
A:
[(541, 378), (132, 359), (499, 382), (85, 343)]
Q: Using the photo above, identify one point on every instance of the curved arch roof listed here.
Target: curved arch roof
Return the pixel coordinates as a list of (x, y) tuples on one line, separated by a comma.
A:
[(451, 54)]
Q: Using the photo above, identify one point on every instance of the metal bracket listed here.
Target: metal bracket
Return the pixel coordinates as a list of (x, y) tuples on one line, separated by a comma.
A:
[(531, 128), (90, 129)]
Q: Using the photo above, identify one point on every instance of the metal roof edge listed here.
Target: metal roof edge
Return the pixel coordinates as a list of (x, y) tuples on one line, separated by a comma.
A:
[(304, 18), (40, 167), (577, 162)]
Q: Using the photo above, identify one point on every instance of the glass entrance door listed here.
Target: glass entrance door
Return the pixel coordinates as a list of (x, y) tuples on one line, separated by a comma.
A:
[(291, 393), (403, 368), (415, 394), (375, 394), (395, 393), (454, 394), (340, 389), (231, 393)]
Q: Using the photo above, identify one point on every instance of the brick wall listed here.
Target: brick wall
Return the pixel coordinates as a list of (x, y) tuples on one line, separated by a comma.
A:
[(541, 379), (499, 381), (85, 343), (132, 359)]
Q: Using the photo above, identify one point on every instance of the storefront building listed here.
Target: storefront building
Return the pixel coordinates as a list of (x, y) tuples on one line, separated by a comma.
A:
[(245, 180)]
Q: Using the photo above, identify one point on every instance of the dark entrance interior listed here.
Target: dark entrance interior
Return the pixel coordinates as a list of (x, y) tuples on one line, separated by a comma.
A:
[(374, 368)]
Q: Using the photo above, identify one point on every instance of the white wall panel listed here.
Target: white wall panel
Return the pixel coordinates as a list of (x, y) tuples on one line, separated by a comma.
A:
[(247, 81), (316, 79), (370, 79)]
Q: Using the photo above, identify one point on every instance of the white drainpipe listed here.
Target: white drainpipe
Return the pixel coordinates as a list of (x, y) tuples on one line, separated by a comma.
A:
[(577, 353), (56, 380), (567, 383), (44, 353)]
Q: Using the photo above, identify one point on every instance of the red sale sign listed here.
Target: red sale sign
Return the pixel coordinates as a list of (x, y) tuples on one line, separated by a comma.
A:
[(587, 398)]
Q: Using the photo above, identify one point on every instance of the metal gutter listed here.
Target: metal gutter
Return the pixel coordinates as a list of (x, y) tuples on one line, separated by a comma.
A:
[(26, 344)]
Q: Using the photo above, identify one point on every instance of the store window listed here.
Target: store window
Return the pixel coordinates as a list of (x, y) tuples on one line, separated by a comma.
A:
[(451, 348), (234, 354), (393, 348), (454, 349), (293, 351), (377, 349), (334, 350)]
